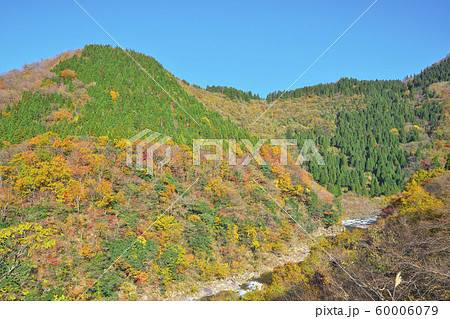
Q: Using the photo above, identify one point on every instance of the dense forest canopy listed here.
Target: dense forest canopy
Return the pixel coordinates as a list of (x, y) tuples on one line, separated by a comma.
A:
[(345, 86), (233, 93), (119, 99), (438, 72)]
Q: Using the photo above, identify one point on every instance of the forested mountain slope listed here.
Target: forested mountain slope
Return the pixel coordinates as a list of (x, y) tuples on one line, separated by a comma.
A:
[(15, 82), (77, 223), (403, 257), (438, 72), (70, 207), (108, 94), (373, 134), (302, 113), (233, 94)]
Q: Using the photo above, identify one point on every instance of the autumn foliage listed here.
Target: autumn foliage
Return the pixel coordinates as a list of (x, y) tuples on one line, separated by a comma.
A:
[(95, 208), (68, 74)]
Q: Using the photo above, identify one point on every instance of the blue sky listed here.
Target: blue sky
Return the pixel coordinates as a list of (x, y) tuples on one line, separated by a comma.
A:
[(257, 45)]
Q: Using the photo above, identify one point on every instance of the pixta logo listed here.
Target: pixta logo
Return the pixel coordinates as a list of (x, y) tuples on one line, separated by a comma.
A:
[(147, 144), (308, 152), (146, 148)]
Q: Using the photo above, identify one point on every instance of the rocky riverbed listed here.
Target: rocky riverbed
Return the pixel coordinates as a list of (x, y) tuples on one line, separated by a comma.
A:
[(360, 222), (242, 283), (252, 279)]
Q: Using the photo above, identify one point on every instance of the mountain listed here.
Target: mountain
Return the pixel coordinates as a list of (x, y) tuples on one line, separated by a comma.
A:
[(69, 200), (403, 257), (438, 72), (78, 223), (89, 78), (373, 134)]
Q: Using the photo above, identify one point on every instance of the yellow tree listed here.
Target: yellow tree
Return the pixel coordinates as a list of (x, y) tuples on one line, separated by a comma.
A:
[(76, 193), (6, 199), (114, 95), (20, 241)]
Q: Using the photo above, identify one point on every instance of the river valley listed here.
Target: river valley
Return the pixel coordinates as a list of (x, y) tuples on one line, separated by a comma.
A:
[(242, 284)]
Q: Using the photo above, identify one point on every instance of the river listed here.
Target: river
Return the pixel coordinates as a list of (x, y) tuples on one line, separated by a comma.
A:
[(352, 224), (258, 282)]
